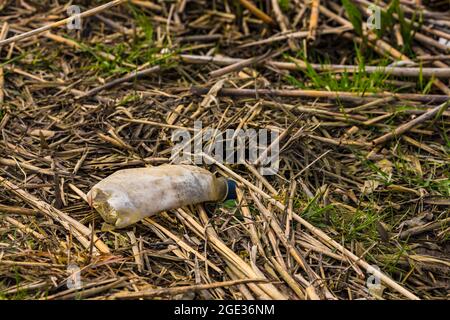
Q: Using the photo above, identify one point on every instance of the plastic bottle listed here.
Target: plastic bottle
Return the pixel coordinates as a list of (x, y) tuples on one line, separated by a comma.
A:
[(129, 195)]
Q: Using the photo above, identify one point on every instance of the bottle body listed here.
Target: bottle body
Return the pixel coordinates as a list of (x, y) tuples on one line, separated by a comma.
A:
[(130, 195)]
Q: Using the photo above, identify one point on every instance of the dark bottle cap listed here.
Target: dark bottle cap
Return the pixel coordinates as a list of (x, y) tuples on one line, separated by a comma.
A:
[(231, 192)]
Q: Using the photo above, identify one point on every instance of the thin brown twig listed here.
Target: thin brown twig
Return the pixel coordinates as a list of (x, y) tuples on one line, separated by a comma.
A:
[(411, 124), (257, 12), (84, 14)]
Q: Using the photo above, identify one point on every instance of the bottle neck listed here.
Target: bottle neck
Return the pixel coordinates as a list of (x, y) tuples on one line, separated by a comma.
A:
[(222, 189)]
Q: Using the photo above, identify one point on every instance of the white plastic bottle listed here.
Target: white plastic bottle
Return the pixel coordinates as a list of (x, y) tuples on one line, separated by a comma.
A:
[(129, 195)]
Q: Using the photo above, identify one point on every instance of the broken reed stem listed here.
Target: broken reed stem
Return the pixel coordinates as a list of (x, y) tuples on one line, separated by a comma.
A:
[(337, 68), (314, 19), (421, 229), (81, 232), (237, 261), (411, 124), (3, 33), (257, 12), (380, 46), (18, 210), (334, 95), (182, 244), (129, 77)]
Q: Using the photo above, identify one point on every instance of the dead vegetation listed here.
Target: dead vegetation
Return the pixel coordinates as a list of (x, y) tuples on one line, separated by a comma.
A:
[(363, 180)]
